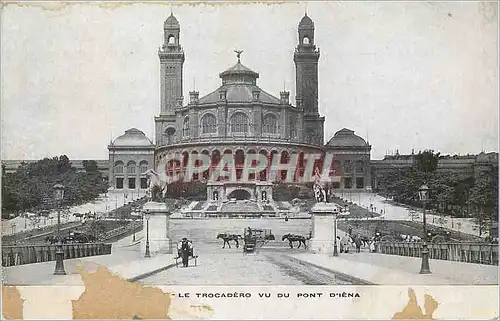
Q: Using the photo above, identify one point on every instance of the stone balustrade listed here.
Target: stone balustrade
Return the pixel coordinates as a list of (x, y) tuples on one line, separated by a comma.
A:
[(480, 253), (27, 254)]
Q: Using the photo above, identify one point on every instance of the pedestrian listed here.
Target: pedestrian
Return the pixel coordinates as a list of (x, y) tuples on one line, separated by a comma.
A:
[(372, 246), (358, 244)]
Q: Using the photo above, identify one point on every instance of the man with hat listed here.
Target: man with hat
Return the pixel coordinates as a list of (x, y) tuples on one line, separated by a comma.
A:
[(184, 250)]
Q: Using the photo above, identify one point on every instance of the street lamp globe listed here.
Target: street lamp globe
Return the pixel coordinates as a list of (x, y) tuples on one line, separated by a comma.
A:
[(423, 192), (58, 192)]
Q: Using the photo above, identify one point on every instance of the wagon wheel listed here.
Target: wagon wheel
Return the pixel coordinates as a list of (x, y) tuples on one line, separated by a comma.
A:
[(387, 238)]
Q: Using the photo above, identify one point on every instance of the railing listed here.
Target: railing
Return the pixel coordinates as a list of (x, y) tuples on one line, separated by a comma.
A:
[(122, 231), (480, 253), (27, 254)]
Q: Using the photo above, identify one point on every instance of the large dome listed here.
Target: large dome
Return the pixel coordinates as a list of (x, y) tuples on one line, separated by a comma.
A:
[(240, 83), (346, 138), (133, 137)]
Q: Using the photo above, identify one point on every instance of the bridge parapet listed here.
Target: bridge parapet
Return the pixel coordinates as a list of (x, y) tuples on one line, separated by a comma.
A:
[(27, 254), (480, 253)]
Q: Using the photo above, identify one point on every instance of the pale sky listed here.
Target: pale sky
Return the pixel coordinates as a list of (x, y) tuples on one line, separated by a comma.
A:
[(405, 75)]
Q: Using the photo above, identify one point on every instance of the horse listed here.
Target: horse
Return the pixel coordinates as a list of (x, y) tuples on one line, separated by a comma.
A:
[(154, 179), (229, 237), (295, 238)]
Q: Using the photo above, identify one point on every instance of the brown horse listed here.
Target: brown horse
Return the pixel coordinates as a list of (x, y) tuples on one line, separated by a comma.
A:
[(229, 237), (296, 238)]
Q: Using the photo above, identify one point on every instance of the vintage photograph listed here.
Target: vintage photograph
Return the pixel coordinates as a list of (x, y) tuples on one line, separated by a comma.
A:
[(250, 144)]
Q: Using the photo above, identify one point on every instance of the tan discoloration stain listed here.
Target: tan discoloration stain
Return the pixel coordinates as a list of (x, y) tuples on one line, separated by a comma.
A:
[(60, 5), (412, 311), (12, 303), (109, 296)]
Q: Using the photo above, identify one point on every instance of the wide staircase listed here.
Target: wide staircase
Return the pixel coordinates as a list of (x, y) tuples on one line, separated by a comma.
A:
[(240, 206)]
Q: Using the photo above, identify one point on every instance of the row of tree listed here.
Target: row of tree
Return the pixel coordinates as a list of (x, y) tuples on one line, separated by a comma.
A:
[(452, 193), (30, 187)]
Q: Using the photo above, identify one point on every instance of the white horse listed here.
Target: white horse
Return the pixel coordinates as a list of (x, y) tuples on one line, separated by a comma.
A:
[(319, 193), (154, 179)]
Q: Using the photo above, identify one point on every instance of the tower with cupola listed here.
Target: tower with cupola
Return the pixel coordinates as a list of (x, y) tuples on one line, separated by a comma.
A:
[(306, 59), (172, 59)]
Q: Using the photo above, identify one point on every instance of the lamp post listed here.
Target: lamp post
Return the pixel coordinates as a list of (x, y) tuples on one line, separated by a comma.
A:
[(133, 225), (59, 196), (147, 216), (423, 195), (335, 251)]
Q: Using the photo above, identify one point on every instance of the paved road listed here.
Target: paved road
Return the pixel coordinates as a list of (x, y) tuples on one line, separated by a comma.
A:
[(217, 266), (232, 267)]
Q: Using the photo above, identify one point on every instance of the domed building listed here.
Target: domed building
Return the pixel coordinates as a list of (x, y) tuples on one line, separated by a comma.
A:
[(351, 160), (130, 156), (238, 117)]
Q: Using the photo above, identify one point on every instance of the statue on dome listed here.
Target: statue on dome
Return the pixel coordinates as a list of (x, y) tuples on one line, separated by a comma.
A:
[(238, 54)]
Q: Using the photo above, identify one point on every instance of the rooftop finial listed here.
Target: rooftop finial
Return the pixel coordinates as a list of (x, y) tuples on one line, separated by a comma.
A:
[(238, 54)]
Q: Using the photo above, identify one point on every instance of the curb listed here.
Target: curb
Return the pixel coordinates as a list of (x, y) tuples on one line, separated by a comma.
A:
[(148, 274), (342, 276)]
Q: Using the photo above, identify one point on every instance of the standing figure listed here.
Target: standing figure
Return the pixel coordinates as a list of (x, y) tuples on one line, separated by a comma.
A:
[(184, 250)]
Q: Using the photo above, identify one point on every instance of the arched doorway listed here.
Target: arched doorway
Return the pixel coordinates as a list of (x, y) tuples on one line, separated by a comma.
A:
[(240, 194)]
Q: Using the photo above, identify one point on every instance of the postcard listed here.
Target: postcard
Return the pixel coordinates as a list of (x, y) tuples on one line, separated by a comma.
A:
[(249, 160)]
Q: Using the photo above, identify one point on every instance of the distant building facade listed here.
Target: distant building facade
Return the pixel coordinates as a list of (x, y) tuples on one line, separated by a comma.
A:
[(351, 160), (470, 165), (131, 155)]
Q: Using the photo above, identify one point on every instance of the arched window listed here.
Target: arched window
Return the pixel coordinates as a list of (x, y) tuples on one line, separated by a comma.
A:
[(270, 124), (185, 127), (171, 40), (118, 168), (239, 123), (131, 168), (169, 133), (348, 166), (359, 167), (305, 40), (143, 167), (208, 124)]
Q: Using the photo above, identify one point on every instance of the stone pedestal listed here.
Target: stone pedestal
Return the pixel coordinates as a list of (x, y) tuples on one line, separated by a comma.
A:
[(323, 228), (159, 229)]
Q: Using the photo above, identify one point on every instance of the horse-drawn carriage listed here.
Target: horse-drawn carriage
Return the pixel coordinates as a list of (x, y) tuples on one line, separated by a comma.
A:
[(256, 238)]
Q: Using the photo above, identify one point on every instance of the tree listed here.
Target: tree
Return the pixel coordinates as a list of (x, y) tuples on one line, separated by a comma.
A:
[(32, 183), (427, 161), (481, 199), (90, 166)]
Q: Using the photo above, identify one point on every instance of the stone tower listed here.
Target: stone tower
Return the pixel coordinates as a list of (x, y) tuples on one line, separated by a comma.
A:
[(306, 58), (171, 58)]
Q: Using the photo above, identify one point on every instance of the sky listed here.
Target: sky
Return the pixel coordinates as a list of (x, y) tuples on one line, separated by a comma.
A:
[(409, 75)]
